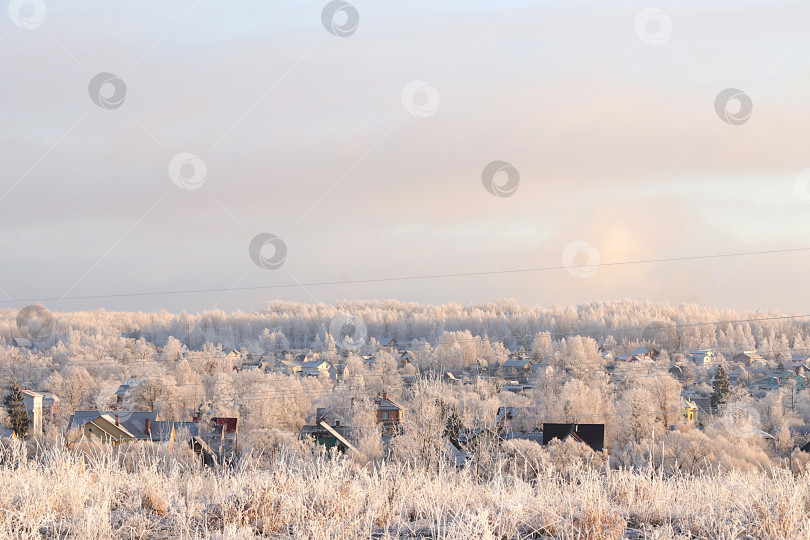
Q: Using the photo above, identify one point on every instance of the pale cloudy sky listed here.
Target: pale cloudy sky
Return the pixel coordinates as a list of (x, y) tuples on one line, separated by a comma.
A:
[(610, 122)]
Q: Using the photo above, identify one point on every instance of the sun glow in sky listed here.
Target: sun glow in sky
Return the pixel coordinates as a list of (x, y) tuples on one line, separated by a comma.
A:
[(364, 154)]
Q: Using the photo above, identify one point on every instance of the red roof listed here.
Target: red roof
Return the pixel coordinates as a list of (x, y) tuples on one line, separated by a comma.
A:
[(229, 423)]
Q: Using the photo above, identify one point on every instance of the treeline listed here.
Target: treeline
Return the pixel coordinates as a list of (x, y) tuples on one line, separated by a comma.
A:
[(624, 323)]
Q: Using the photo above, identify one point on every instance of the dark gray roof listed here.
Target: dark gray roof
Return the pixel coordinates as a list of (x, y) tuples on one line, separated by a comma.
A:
[(508, 413), (466, 436), (331, 415), (315, 364), (455, 455), (46, 396), (704, 403), (318, 429), (162, 429), (536, 436), (519, 363), (133, 422)]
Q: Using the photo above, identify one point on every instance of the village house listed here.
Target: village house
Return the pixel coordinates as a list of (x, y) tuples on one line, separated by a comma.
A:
[(22, 343), (690, 411), (302, 358), (113, 427), (784, 358), (542, 370), (50, 404), (474, 441), (389, 413), (678, 358), (517, 368), (800, 360), (632, 358), (285, 366), (534, 435), (329, 429), (408, 358), (183, 352), (771, 384), (167, 431), (704, 406), (249, 367), (788, 377), (123, 391), (799, 369), (387, 345), (737, 374), (33, 406), (749, 358), (518, 420), (316, 368), (221, 435), (646, 352), (479, 370), (703, 357), (229, 423), (370, 361), (341, 371), (516, 387), (591, 434), (519, 354)]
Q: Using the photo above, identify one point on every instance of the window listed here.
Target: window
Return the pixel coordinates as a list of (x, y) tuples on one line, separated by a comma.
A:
[(385, 415)]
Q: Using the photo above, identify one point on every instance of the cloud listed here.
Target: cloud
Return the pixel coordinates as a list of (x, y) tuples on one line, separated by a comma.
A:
[(304, 135)]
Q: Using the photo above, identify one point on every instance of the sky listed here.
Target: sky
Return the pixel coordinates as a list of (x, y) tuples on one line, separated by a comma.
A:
[(147, 146)]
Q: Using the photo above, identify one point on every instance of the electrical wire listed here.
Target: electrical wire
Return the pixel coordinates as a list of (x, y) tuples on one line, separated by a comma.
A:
[(405, 278)]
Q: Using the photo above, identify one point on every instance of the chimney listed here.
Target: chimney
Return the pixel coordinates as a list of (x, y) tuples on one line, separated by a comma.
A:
[(117, 420), (147, 429), (385, 395)]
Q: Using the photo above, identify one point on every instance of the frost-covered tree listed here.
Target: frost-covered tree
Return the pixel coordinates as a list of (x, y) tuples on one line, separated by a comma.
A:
[(721, 387), (15, 409), (665, 392)]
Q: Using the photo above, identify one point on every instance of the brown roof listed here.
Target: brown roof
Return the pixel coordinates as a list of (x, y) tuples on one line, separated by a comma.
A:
[(385, 404)]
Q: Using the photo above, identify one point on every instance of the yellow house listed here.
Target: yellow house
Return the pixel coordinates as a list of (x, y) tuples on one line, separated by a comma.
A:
[(690, 411), (105, 429), (115, 427)]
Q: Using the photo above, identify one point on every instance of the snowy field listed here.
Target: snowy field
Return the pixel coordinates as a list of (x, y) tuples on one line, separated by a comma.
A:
[(142, 492)]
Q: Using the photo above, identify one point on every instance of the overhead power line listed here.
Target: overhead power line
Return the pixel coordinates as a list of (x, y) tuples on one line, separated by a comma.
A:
[(404, 278)]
